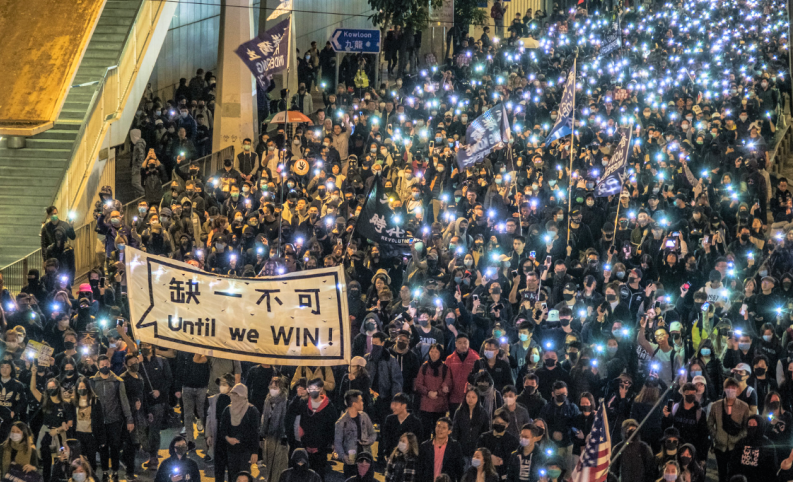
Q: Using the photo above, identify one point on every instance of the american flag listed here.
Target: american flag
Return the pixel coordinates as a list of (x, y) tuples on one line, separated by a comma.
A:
[(593, 466)]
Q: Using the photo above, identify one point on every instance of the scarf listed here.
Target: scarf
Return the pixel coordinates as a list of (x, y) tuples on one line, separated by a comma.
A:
[(238, 408), (22, 456), (434, 365)]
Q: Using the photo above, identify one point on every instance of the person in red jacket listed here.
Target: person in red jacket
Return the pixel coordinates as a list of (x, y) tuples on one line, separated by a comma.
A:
[(433, 384), (460, 363)]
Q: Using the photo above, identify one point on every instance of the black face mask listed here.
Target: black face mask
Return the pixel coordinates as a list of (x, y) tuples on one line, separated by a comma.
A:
[(53, 392), (670, 445), (611, 298), (82, 392), (68, 345), (68, 373), (684, 461), (567, 296), (690, 398), (550, 362), (560, 398), (104, 370), (499, 427), (759, 371)]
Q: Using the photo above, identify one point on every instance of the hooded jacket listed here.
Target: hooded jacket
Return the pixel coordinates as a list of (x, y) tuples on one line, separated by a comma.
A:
[(317, 427), (184, 465), (299, 470), (361, 344)]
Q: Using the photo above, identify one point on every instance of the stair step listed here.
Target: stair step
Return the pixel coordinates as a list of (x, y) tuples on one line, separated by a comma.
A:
[(46, 154), (100, 62), (62, 134), (7, 231), (36, 143), (9, 219), (105, 20), (67, 127), (92, 70), (114, 10), (94, 46), (111, 29), (79, 106), (33, 167), (72, 115), (109, 55)]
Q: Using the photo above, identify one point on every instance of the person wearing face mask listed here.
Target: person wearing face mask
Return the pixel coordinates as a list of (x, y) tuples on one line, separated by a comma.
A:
[(499, 442), (727, 421), (178, 467), (746, 393), (19, 448), (386, 376), (111, 391), (216, 404), (492, 362), (58, 417), (90, 427), (637, 461), (689, 421), (761, 380), (238, 435), (316, 430), (275, 452), (403, 459), (517, 415), (157, 378), (559, 415), (754, 456)]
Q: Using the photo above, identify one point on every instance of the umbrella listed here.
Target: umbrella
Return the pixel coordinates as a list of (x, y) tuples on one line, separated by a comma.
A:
[(295, 117)]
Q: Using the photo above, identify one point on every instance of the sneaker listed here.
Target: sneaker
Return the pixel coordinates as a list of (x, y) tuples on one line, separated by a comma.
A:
[(153, 463), (114, 476), (207, 458), (183, 432), (199, 426), (131, 477)]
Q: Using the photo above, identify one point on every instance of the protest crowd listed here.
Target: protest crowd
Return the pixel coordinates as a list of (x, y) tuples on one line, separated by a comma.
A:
[(518, 313)]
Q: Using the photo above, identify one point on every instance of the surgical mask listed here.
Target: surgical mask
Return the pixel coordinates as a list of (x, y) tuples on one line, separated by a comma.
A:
[(554, 473), (16, 437), (768, 338), (523, 337), (524, 442), (730, 393), (403, 447), (79, 476), (670, 477), (274, 392), (744, 346), (476, 462), (490, 354), (534, 358), (705, 352)]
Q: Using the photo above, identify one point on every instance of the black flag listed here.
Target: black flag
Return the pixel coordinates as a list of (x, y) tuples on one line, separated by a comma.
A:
[(379, 223)]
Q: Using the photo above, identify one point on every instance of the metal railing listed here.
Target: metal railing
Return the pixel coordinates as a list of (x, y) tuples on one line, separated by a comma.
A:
[(107, 102), (88, 247)]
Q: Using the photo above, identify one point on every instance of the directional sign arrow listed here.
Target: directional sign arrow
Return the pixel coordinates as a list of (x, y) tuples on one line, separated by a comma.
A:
[(335, 40)]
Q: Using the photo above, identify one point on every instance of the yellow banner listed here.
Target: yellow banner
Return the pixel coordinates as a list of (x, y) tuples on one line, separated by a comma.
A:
[(293, 319)]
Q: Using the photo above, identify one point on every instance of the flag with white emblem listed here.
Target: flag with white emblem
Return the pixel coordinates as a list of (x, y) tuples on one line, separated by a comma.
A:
[(379, 223)]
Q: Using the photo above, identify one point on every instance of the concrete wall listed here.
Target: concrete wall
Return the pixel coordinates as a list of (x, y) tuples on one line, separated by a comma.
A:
[(319, 26), (190, 44)]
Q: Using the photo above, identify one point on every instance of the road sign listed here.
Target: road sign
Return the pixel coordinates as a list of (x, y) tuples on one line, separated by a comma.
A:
[(356, 40)]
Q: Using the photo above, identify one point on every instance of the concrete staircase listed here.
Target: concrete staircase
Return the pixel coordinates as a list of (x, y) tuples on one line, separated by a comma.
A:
[(29, 177)]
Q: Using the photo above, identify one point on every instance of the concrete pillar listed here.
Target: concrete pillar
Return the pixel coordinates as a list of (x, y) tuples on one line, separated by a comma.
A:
[(236, 108)]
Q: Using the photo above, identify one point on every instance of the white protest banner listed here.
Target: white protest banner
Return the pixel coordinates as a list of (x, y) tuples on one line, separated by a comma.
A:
[(294, 319)]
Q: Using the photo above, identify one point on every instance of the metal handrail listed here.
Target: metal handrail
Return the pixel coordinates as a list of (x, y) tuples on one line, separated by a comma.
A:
[(96, 103), (15, 274)]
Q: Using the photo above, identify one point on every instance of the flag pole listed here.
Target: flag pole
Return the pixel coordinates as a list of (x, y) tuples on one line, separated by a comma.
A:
[(661, 398), (286, 129), (572, 150)]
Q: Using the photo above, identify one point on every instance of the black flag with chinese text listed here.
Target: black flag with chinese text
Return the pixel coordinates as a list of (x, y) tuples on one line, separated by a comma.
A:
[(379, 223)]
